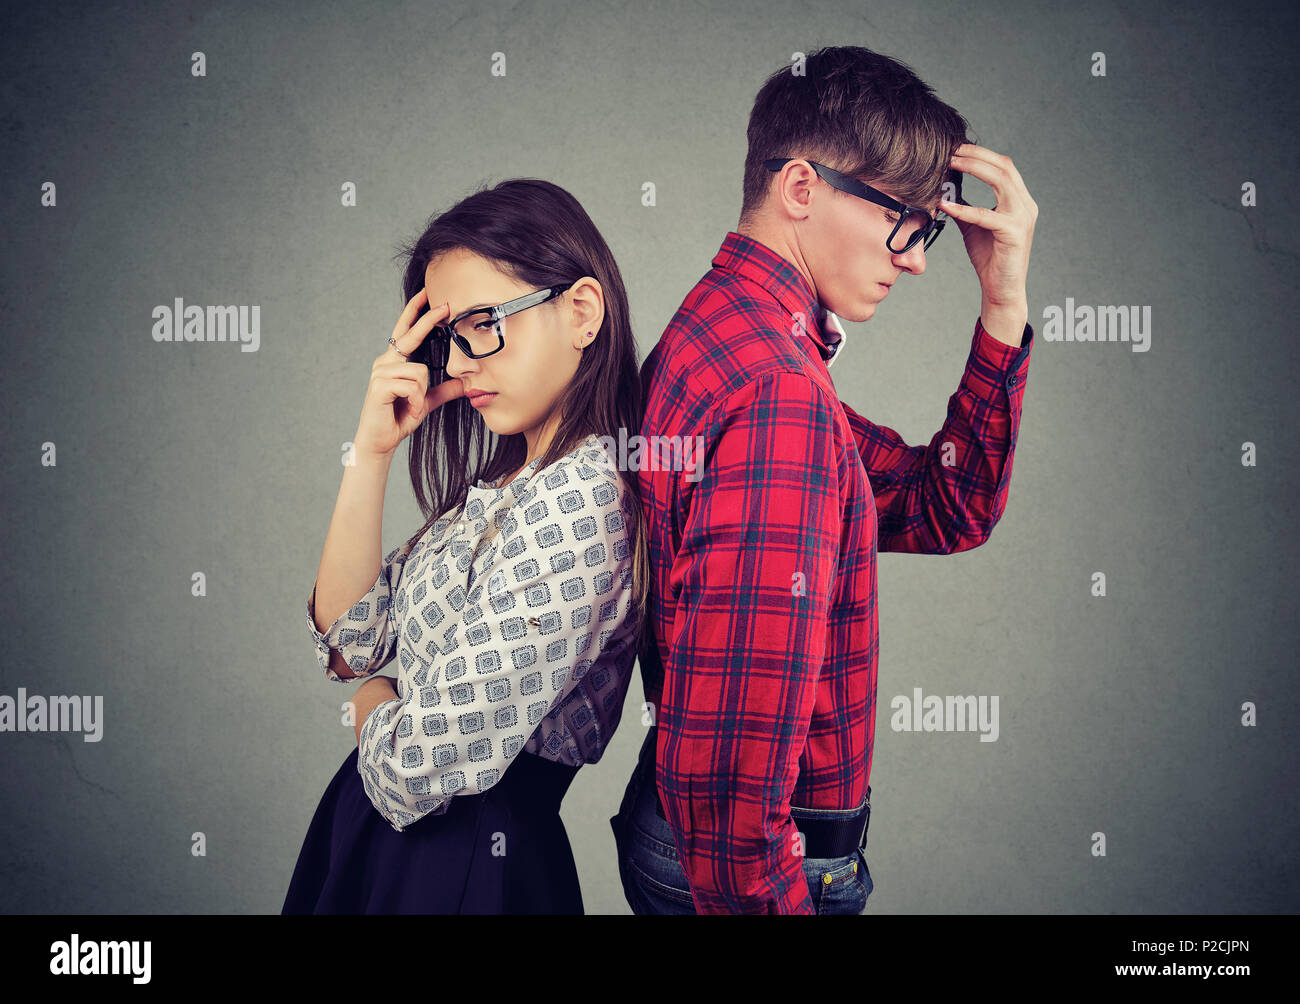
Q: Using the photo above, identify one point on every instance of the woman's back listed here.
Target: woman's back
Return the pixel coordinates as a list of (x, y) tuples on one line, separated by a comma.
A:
[(514, 630), (513, 610)]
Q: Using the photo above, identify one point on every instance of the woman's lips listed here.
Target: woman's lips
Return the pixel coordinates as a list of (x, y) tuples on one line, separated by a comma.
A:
[(478, 400)]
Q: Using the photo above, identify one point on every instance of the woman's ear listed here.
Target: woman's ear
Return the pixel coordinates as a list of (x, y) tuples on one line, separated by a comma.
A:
[(587, 311)]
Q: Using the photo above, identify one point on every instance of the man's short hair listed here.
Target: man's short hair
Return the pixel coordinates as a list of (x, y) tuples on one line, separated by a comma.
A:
[(861, 113)]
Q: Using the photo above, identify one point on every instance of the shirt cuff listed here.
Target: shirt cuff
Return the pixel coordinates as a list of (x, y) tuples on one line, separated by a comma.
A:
[(324, 641), (997, 361), (1000, 353)]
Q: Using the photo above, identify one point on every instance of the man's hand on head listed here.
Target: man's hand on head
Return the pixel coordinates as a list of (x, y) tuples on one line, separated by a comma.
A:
[(998, 239)]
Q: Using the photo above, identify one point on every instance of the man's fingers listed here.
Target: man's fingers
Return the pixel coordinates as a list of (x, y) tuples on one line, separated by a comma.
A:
[(996, 170), (972, 151), (977, 215), (993, 175)]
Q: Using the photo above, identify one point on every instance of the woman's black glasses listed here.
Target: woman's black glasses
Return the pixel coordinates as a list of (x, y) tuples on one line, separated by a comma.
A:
[(477, 332)]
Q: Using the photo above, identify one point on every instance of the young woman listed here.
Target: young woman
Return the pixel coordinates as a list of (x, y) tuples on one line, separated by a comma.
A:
[(515, 610)]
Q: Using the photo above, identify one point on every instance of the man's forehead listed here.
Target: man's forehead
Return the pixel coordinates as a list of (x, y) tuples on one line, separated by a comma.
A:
[(932, 207)]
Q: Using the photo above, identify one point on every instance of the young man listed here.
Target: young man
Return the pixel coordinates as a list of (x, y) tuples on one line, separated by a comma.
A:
[(752, 793)]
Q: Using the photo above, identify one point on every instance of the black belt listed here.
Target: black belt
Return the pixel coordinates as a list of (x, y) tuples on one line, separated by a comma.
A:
[(822, 838)]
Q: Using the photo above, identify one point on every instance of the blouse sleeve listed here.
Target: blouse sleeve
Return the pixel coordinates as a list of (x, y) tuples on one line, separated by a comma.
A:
[(530, 627), (366, 634)]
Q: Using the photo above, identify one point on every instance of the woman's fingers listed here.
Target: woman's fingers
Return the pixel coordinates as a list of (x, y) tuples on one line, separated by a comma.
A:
[(408, 342), (446, 391), (410, 311), (401, 370), (415, 378), (401, 392), (410, 336), (407, 395), (398, 395), (392, 386)]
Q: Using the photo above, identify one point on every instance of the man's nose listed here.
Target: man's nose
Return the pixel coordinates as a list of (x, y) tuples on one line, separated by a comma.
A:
[(912, 260)]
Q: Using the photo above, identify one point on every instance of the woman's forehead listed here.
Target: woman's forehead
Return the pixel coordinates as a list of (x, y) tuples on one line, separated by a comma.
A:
[(466, 280)]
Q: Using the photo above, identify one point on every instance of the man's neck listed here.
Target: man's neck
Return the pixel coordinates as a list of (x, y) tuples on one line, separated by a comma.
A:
[(772, 237)]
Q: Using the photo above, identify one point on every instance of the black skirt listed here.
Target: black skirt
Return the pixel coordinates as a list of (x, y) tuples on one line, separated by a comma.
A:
[(504, 850)]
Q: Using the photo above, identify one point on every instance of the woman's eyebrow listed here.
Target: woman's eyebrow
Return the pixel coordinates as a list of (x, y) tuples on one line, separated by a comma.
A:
[(477, 306)]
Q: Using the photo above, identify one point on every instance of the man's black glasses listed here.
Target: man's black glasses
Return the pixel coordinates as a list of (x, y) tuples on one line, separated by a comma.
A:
[(913, 224)]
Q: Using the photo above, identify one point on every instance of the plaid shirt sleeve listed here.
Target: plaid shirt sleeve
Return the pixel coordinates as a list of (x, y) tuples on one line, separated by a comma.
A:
[(947, 496), (755, 570)]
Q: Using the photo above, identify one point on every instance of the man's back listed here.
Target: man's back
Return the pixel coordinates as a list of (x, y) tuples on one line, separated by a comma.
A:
[(761, 659), (763, 611)]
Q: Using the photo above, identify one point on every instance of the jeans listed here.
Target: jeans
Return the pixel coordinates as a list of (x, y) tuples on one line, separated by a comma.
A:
[(655, 883)]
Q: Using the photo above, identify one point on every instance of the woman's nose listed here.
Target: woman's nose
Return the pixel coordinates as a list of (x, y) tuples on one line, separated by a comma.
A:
[(458, 364)]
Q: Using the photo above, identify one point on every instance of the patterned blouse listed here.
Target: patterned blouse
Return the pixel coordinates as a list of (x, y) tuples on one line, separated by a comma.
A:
[(521, 642)]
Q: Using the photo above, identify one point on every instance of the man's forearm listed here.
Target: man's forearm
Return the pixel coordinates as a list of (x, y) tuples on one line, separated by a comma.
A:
[(1005, 322)]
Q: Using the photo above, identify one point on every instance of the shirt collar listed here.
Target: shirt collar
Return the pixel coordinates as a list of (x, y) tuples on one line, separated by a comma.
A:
[(833, 337), (752, 260)]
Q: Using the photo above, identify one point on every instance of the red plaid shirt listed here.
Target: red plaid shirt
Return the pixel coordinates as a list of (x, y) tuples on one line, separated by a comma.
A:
[(762, 663)]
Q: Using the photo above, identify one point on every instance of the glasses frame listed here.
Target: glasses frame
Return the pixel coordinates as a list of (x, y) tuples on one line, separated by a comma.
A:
[(851, 186), (446, 332)]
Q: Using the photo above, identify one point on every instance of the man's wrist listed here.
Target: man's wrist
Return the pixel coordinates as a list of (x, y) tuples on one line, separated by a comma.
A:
[(1005, 322)]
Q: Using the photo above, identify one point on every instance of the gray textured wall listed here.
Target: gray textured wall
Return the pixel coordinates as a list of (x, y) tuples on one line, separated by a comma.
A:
[(1119, 714)]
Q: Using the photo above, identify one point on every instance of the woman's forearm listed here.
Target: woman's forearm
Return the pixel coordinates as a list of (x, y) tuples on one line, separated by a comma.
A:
[(351, 558), (369, 696)]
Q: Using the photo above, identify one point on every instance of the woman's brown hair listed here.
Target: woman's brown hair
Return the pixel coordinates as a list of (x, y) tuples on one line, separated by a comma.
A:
[(539, 234)]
